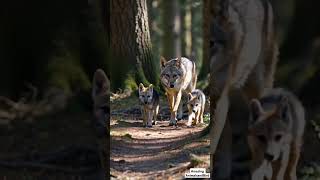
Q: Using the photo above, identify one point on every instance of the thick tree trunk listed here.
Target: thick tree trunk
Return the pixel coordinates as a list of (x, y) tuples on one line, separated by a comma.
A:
[(302, 32), (208, 10), (171, 46), (131, 44)]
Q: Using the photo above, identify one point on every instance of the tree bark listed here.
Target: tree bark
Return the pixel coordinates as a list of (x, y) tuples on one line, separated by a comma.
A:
[(301, 32), (171, 46), (208, 13), (131, 44)]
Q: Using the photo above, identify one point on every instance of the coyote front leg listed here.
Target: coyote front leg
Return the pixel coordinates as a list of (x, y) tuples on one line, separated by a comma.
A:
[(283, 165), (176, 102)]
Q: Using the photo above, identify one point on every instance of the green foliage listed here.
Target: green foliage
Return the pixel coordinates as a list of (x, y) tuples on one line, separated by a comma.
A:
[(65, 72), (311, 172), (206, 118)]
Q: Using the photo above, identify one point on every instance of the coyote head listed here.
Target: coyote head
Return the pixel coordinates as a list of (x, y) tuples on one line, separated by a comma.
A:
[(145, 94), (269, 130), (100, 96), (194, 103), (171, 72)]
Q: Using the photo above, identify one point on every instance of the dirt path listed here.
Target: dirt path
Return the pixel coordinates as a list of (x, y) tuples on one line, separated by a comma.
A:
[(160, 152)]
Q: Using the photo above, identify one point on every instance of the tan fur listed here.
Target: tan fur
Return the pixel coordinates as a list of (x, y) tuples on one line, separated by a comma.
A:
[(149, 101), (178, 77), (276, 133), (196, 105), (243, 58)]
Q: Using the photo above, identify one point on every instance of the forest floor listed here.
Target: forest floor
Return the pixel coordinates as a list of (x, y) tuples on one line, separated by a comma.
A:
[(57, 146), (160, 152), (166, 152)]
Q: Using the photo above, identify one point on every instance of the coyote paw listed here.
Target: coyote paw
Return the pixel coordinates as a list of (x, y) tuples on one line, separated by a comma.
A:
[(149, 126)]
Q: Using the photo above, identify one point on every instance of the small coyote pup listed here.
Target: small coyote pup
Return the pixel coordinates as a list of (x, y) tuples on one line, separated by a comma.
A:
[(276, 130), (149, 99), (196, 105)]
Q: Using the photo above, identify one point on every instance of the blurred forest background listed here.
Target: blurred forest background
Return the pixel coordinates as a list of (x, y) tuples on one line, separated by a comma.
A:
[(49, 51)]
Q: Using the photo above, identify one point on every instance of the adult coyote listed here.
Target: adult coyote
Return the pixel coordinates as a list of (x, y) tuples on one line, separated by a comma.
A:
[(243, 55), (178, 77)]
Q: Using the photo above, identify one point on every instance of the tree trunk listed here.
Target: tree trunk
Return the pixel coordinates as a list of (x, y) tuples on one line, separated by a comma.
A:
[(193, 34), (183, 22), (208, 10), (171, 29), (131, 45), (301, 32)]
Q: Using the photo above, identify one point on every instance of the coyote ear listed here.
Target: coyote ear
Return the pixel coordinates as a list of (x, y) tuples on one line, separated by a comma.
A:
[(283, 109), (163, 62), (255, 110), (100, 83), (151, 86), (141, 87), (189, 96), (178, 62)]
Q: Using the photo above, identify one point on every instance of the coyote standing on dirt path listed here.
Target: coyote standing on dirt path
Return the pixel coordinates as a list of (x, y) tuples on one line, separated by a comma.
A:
[(149, 99), (276, 128), (178, 76), (196, 105), (243, 52)]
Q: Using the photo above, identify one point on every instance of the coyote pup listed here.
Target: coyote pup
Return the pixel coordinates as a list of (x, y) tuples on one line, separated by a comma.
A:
[(101, 101), (196, 105), (275, 136), (149, 99), (177, 76)]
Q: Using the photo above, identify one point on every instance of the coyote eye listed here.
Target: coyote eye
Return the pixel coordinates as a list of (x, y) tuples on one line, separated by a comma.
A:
[(142, 95), (197, 104), (148, 96), (174, 76), (278, 137), (262, 138)]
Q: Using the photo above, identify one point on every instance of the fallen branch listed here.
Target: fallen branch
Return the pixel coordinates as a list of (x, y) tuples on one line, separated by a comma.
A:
[(28, 108)]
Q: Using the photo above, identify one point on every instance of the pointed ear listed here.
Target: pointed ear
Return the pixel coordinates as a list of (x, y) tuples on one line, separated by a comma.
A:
[(141, 87), (178, 62), (100, 83), (255, 110), (190, 96), (163, 62), (283, 109), (150, 88)]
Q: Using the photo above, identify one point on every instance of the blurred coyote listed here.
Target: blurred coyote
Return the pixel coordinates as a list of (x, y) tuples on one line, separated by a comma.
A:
[(178, 76), (149, 99), (196, 105), (101, 110), (243, 52), (275, 136), (101, 101)]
